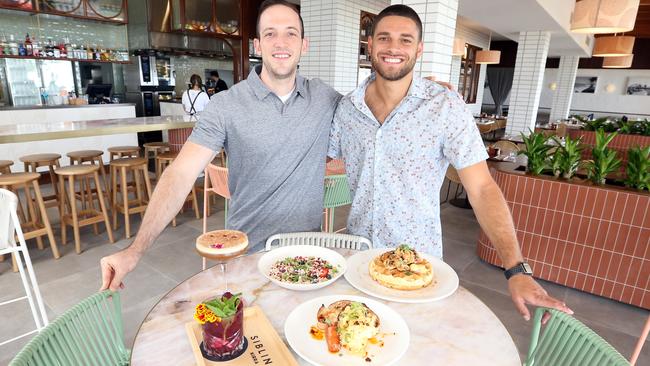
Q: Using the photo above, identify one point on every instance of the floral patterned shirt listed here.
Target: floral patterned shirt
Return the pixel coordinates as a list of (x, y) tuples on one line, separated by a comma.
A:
[(396, 170)]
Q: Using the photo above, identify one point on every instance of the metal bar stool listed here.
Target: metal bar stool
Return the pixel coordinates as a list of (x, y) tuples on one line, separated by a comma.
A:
[(35, 223), (151, 151), (51, 161), (88, 215), (94, 157), (121, 167), (162, 162)]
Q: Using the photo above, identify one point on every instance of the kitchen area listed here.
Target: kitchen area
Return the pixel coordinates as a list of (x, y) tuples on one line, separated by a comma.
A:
[(68, 61)]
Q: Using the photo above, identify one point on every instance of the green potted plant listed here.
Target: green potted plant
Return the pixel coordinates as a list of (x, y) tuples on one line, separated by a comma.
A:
[(567, 157), (604, 161), (638, 168), (536, 151)]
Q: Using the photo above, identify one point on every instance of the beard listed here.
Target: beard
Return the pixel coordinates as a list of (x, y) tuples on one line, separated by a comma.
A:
[(393, 75)]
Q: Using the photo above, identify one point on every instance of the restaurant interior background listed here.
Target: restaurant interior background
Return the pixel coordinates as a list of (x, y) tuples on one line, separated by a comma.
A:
[(518, 64)]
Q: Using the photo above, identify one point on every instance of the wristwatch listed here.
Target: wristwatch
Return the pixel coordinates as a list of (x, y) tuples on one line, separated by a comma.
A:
[(522, 268)]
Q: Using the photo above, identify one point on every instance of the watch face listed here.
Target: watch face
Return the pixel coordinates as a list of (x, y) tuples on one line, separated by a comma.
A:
[(527, 268)]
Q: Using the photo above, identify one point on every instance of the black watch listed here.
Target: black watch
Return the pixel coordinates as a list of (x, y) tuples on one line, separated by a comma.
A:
[(522, 268)]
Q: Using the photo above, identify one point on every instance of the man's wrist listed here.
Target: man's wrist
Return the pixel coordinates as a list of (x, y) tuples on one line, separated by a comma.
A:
[(521, 268)]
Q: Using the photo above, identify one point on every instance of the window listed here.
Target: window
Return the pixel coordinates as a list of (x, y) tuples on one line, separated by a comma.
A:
[(469, 74)]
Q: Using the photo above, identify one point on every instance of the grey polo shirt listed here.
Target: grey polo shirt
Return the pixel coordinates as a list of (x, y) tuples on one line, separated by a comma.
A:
[(276, 153)]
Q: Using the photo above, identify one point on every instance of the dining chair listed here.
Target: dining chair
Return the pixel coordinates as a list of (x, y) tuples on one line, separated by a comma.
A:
[(90, 333), (9, 230), (640, 342), (506, 147), (320, 239), (453, 177), (215, 181), (566, 341), (337, 194)]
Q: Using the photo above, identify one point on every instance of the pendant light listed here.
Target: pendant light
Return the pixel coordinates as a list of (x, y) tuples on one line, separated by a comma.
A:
[(488, 57), (604, 16), (620, 62), (459, 47), (613, 46)]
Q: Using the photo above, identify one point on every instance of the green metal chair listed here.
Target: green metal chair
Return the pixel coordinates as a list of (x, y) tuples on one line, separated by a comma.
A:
[(337, 194), (566, 341), (90, 333)]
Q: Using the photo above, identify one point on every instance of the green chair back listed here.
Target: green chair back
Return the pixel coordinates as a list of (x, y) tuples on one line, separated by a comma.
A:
[(337, 192), (90, 333), (566, 341)]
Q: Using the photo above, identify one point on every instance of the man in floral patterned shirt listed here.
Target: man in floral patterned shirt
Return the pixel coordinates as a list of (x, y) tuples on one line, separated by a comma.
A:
[(397, 134)]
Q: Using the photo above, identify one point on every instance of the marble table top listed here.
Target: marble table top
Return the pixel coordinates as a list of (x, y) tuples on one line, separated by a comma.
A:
[(459, 330), (25, 132)]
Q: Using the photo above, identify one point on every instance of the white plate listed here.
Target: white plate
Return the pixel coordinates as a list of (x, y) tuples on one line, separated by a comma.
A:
[(297, 325), (271, 257), (446, 279)]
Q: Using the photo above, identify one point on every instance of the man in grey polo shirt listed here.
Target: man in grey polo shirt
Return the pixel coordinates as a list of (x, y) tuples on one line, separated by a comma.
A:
[(275, 128)]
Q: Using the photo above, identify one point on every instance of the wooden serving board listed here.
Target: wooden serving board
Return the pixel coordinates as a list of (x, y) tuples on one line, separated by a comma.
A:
[(265, 347)]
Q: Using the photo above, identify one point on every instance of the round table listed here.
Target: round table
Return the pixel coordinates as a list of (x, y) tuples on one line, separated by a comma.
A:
[(459, 330)]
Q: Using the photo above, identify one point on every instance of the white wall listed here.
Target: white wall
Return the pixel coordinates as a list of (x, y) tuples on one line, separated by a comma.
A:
[(601, 102), (478, 39)]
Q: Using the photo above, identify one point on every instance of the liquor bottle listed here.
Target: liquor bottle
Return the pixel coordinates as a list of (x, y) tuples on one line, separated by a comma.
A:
[(36, 48), (29, 47), (3, 45), (49, 49), (56, 51), (63, 52), (68, 48), (13, 46), (90, 53)]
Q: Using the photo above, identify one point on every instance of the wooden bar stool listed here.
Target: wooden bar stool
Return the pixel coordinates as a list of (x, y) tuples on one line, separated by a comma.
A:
[(162, 162), (51, 161), (5, 166), (151, 151), (35, 224), (88, 215), (121, 167), (118, 152), (94, 157)]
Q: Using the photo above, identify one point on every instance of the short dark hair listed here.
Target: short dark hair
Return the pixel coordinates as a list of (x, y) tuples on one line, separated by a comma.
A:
[(269, 3), (214, 73), (400, 11)]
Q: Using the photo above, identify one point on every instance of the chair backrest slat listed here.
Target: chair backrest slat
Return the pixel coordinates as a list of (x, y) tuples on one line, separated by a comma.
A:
[(328, 240), (218, 180), (90, 333), (566, 341)]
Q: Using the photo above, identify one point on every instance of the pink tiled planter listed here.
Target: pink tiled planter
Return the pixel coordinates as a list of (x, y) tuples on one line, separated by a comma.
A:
[(594, 239)]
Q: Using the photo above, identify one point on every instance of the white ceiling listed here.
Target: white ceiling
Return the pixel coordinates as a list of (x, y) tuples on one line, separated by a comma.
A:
[(507, 18)]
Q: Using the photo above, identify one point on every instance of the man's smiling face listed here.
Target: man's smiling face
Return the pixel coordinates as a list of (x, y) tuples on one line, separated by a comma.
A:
[(395, 46)]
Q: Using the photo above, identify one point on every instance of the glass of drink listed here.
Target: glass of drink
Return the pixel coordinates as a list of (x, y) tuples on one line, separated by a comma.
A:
[(223, 338)]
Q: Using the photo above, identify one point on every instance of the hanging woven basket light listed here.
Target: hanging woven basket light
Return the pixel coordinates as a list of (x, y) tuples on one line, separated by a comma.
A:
[(488, 57), (619, 62), (613, 46), (604, 16)]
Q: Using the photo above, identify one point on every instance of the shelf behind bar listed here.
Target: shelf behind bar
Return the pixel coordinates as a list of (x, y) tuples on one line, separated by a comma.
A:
[(62, 59)]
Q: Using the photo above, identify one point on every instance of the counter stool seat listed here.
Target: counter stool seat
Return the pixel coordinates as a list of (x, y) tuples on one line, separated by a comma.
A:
[(119, 169), (88, 215), (123, 151), (5, 166), (153, 149), (162, 162), (51, 161), (35, 224), (84, 155), (93, 157)]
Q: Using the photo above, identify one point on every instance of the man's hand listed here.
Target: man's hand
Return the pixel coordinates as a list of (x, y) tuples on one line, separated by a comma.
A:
[(443, 83), (116, 266), (525, 290)]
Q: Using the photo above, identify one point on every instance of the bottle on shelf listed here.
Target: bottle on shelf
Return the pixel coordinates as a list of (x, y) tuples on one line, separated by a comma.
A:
[(63, 53), (68, 48), (90, 53), (3, 45), (36, 48), (29, 47), (13, 46), (49, 48)]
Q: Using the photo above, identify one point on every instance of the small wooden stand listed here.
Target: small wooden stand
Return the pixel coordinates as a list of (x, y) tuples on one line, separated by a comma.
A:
[(264, 344)]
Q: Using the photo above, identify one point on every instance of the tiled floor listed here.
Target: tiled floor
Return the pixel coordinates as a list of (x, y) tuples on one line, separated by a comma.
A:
[(73, 277)]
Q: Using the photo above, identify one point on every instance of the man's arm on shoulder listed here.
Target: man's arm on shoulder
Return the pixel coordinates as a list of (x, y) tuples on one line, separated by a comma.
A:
[(495, 219)]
